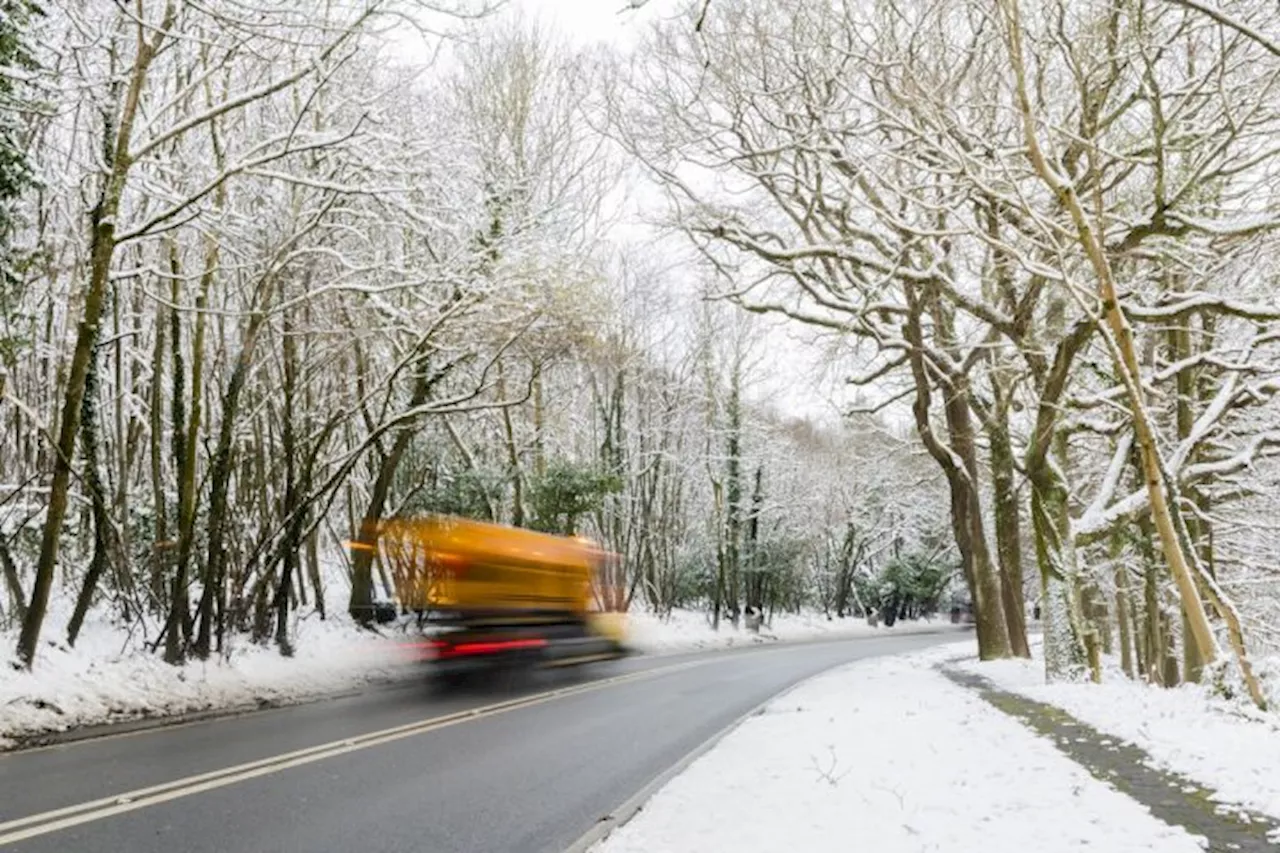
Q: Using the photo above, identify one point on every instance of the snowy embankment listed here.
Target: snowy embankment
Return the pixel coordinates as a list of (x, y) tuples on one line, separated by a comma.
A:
[(1231, 749), (686, 630), (110, 677), (889, 755)]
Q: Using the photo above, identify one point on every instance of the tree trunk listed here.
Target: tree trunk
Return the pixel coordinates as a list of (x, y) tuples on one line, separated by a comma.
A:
[(313, 569), (966, 507), (101, 252), (103, 247), (513, 453), (718, 598), (125, 429), (160, 547), (1008, 534), (733, 495), (297, 519), (186, 441), (539, 414), (210, 611), (12, 581), (1094, 614), (361, 602), (1179, 344), (102, 534), (1124, 353), (1124, 621), (756, 579), (1064, 650), (1161, 664)]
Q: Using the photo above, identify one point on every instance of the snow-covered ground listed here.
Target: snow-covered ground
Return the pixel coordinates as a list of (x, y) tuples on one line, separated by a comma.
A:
[(687, 629), (1219, 744), (109, 677), (889, 755)]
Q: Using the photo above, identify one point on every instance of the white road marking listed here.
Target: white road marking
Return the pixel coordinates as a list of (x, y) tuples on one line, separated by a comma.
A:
[(58, 819)]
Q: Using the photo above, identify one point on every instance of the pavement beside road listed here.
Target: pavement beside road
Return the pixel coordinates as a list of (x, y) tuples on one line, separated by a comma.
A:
[(888, 754)]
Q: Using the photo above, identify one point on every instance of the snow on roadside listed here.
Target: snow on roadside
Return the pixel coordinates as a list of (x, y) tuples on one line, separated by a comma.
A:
[(109, 678), (888, 755), (688, 629), (1186, 729), (103, 679)]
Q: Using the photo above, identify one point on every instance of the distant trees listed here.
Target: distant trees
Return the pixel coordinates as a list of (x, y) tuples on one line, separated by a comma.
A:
[(908, 587), (18, 97), (882, 284), (1024, 220), (197, 273), (269, 285), (264, 285), (17, 177)]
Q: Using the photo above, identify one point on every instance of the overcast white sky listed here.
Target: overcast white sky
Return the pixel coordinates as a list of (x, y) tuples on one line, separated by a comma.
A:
[(596, 20), (797, 374), (797, 379)]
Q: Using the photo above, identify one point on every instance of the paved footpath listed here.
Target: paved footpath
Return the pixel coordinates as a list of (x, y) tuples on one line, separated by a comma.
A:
[(1172, 798)]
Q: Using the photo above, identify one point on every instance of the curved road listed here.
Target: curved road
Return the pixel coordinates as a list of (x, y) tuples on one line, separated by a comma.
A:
[(521, 767)]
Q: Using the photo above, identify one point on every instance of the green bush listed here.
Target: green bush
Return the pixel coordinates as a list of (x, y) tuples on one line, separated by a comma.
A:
[(908, 587), (565, 492)]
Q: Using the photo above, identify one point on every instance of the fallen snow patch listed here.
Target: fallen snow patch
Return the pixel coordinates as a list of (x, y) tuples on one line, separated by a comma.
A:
[(107, 678), (1186, 730), (889, 755), (688, 629), (110, 677)]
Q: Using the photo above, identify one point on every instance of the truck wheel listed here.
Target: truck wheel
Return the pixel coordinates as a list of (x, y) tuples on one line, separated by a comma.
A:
[(448, 680)]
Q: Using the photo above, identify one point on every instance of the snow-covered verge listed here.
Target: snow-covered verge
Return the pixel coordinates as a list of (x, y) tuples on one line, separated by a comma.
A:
[(1186, 730), (687, 629), (888, 755), (107, 678)]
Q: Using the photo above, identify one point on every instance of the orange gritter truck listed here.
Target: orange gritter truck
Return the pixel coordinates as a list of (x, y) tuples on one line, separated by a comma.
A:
[(500, 596)]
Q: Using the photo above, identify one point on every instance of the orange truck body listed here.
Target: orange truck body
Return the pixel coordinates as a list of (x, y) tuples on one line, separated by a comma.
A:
[(477, 569)]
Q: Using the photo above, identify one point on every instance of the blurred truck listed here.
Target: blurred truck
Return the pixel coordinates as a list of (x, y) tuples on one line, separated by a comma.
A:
[(494, 595)]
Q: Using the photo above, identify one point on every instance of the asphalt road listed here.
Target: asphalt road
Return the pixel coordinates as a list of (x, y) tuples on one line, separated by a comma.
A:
[(511, 767)]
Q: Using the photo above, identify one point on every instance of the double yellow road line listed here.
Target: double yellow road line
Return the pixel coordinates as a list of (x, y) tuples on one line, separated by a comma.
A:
[(44, 823)]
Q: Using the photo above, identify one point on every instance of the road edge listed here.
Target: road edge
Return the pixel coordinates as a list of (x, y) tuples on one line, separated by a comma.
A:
[(28, 742), (35, 740), (623, 813), (633, 805)]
